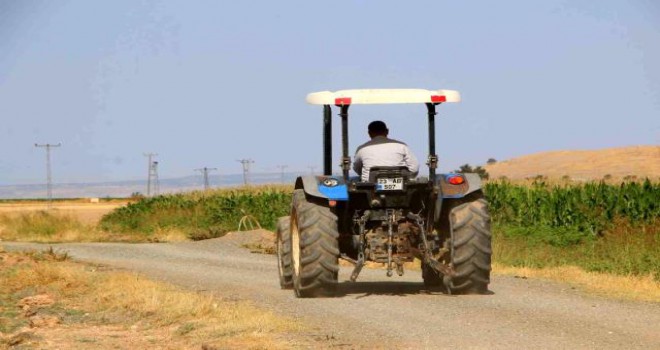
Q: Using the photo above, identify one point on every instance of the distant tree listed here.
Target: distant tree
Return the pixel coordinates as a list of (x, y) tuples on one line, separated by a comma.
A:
[(491, 161), (467, 168), (482, 172), (540, 178), (137, 195)]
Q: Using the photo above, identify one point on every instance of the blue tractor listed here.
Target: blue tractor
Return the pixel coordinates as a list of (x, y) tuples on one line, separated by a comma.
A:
[(392, 218)]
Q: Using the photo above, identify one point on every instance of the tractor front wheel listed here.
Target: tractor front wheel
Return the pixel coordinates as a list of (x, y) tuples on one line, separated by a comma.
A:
[(284, 252)]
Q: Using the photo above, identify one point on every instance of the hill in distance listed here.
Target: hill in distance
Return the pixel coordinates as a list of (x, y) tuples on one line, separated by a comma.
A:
[(582, 165)]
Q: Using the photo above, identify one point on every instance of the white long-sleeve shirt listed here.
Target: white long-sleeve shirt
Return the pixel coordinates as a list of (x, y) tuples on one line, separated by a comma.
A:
[(381, 151)]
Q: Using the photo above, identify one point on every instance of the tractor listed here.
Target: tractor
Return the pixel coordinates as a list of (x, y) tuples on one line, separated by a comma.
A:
[(442, 220)]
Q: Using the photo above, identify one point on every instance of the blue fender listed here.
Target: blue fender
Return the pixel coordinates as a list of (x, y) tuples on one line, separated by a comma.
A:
[(328, 187)]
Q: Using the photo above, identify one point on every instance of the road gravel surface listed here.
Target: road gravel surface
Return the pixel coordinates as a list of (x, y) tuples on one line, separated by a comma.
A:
[(390, 313)]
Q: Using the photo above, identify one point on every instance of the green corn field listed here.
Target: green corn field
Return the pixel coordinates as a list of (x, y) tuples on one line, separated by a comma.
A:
[(597, 226), (589, 207)]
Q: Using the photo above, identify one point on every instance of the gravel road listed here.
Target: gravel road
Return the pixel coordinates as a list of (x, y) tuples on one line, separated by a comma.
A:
[(397, 312)]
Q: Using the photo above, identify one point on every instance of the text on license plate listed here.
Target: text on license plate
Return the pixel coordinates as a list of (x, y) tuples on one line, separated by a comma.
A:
[(389, 184)]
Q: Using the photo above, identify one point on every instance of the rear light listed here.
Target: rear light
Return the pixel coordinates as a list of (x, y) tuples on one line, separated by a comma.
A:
[(438, 98), (342, 101), (456, 180), (332, 204)]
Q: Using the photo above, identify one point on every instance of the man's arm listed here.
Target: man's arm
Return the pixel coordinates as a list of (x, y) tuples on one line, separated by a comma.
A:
[(357, 163), (411, 161)]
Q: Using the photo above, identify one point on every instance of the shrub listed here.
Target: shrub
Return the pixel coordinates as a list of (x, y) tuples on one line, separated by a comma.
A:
[(203, 214)]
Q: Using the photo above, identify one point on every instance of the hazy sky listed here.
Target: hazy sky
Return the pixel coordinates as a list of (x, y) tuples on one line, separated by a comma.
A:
[(203, 83)]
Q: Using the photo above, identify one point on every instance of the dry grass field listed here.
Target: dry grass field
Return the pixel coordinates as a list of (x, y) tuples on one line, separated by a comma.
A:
[(583, 165), (62, 304), (48, 302), (85, 212), (62, 221), (68, 221)]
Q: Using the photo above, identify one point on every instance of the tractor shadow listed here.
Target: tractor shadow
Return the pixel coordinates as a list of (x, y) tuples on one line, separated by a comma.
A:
[(401, 289), (365, 289)]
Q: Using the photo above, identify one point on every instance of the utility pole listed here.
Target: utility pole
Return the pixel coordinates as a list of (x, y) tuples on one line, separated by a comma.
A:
[(282, 167), (246, 168), (311, 169), (154, 172), (150, 168), (205, 171), (49, 177)]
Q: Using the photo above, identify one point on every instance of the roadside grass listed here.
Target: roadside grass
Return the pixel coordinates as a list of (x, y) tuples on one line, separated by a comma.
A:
[(622, 263), (89, 296), (625, 250)]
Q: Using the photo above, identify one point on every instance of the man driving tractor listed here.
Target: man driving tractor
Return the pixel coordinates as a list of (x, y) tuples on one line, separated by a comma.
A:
[(383, 151)]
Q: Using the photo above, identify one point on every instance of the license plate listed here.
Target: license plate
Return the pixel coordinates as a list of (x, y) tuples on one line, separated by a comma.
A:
[(389, 184)]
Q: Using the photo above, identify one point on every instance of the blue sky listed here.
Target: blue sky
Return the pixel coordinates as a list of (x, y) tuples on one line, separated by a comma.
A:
[(204, 83)]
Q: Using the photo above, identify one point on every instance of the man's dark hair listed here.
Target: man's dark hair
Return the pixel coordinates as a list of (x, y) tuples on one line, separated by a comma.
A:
[(377, 127)]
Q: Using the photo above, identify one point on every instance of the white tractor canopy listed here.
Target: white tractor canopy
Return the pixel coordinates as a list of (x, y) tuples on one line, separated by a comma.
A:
[(382, 96)]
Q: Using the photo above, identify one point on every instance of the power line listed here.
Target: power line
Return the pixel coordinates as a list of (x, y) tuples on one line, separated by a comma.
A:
[(282, 167), (246, 168), (205, 171), (150, 169), (49, 177)]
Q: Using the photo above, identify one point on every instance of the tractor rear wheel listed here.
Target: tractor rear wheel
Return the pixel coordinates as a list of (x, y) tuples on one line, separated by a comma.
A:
[(314, 248), (470, 247), (284, 252)]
